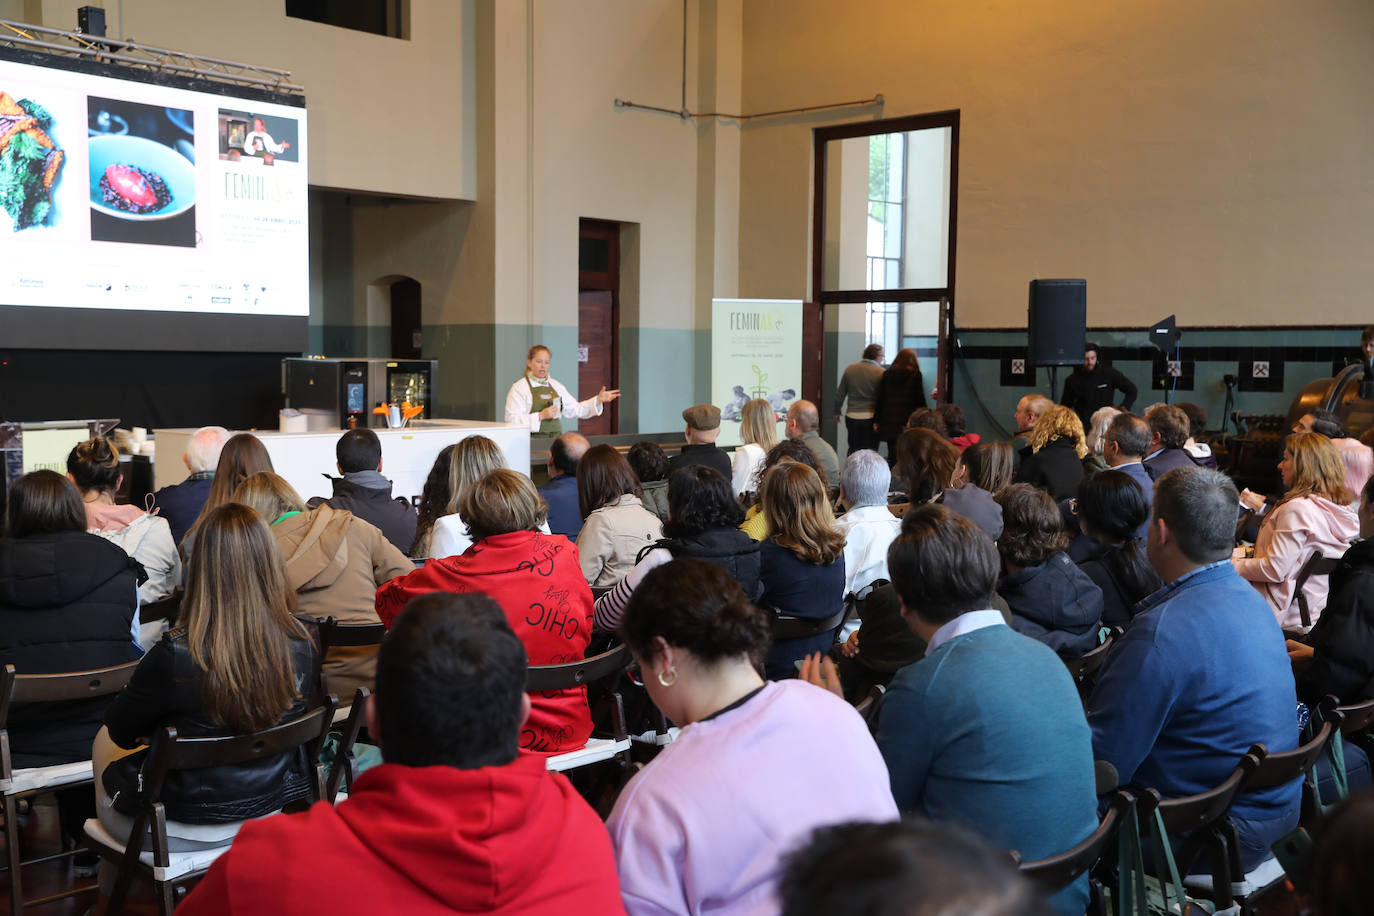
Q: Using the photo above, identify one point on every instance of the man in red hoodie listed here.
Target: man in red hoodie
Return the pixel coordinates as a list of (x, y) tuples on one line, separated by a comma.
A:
[(455, 820)]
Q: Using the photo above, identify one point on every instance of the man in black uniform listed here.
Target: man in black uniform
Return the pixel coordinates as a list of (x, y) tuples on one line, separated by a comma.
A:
[(1093, 385)]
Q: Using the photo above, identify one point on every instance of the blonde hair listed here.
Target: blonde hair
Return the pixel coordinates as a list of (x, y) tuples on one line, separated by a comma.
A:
[(797, 510), (269, 495), (1100, 420), (473, 458), (242, 456), (237, 615), (758, 424), (1317, 469), (1058, 422), (501, 502)]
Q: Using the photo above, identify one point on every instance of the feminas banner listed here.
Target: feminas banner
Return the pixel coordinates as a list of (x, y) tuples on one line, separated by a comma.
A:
[(755, 353)]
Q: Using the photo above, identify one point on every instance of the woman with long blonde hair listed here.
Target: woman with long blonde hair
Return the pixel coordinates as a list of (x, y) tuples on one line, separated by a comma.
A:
[(801, 562), (759, 429), (1057, 447), (1314, 517), (238, 662), (472, 458), (334, 564), (242, 456)]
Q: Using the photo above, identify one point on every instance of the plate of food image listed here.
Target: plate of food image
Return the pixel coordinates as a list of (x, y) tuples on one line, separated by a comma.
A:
[(135, 178)]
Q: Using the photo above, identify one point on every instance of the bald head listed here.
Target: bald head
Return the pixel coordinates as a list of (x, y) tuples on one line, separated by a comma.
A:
[(565, 452), (202, 452), (1029, 409), (802, 417)]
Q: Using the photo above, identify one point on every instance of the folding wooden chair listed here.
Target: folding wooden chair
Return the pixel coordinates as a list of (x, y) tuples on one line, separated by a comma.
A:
[(345, 764), (785, 627), (1316, 565), (16, 689), (871, 706), (1058, 871), (615, 743), (168, 871), (336, 635), (1084, 668)]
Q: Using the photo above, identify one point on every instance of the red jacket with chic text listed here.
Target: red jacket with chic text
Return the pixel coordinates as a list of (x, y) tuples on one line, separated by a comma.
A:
[(515, 840), (538, 582)]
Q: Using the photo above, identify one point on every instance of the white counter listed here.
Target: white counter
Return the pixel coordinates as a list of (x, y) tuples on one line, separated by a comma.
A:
[(407, 454)]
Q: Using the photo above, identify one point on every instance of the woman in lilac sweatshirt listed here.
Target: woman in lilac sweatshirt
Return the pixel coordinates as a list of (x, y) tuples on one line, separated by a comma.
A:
[(758, 764)]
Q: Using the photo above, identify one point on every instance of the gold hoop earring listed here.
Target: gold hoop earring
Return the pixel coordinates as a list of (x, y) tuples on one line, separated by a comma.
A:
[(664, 681)]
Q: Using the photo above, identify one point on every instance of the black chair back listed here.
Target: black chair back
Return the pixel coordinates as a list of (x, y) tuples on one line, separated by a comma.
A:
[(575, 674), (1089, 663), (1059, 871), (1354, 718), (1316, 565), (168, 609), (334, 634), (804, 627), (871, 706), (345, 766), (55, 688), (1205, 809)]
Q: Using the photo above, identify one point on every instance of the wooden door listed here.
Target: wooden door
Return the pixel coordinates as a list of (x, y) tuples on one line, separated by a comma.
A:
[(405, 319), (598, 320)]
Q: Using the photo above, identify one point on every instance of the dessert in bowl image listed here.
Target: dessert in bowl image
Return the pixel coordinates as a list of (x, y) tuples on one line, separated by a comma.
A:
[(135, 178)]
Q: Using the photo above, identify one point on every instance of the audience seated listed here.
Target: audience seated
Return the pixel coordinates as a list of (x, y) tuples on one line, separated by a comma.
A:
[(363, 490), (986, 730), (1127, 440), (967, 497), (703, 429), (804, 424), (802, 561), (1051, 599), (434, 498), (757, 766), (651, 465), (758, 429), (755, 523), (703, 523), (867, 525), (454, 820), (1096, 432), (237, 663), (180, 503), (1323, 422), (94, 467), (1112, 508), (1056, 450), (560, 491), (1201, 673), (928, 418), (1337, 656), (334, 562), (617, 526), (1028, 412), (926, 464), (536, 580), (473, 457), (905, 868), (242, 456), (68, 602), (1168, 435), (1314, 517), (1200, 452), (900, 391), (956, 425)]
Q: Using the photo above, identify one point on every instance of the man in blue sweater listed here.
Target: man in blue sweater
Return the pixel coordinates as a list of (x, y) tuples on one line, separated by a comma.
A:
[(1202, 672), (987, 729)]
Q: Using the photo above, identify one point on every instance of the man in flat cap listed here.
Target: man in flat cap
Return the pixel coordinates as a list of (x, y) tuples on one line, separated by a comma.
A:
[(703, 428)]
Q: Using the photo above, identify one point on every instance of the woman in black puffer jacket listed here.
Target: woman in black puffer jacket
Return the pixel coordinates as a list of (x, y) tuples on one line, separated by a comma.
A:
[(900, 391), (205, 678), (703, 522)]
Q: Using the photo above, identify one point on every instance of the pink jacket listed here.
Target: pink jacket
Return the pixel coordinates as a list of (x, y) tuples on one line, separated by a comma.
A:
[(1295, 531)]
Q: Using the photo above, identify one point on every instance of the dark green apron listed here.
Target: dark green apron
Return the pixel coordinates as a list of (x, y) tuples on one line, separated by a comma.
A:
[(539, 402)]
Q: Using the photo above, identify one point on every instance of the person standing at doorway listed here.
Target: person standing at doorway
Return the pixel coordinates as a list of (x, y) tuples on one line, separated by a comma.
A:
[(859, 385), (539, 401)]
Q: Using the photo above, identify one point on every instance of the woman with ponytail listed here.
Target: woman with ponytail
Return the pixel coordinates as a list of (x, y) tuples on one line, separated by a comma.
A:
[(756, 766), (1112, 507), (237, 663), (94, 467)]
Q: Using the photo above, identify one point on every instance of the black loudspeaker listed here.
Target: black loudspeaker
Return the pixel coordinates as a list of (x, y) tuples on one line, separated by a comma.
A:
[(90, 20), (1057, 322)]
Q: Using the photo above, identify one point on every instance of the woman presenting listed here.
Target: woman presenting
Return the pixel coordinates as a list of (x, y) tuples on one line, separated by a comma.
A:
[(537, 400)]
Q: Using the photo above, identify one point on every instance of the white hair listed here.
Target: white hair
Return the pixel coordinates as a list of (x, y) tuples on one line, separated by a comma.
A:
[(202, 452), (865, 479), (1097, 433)]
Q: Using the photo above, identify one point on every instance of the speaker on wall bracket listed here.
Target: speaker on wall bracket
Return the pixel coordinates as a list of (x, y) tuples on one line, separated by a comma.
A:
[(1056, 322)]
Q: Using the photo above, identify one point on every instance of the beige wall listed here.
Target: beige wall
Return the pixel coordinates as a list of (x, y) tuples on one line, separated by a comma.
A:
[(1205, 159), (385, 115)]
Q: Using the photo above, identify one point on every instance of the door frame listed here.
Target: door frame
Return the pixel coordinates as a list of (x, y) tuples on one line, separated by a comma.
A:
[(604, 281)]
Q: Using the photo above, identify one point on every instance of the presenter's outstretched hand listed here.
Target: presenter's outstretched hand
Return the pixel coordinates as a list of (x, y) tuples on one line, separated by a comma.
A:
[(606, 397)]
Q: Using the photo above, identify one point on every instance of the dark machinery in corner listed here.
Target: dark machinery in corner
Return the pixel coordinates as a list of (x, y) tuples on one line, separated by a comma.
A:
[(1256, 450)]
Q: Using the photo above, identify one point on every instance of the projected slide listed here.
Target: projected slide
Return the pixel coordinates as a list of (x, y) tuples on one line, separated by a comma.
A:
[(118, 194)]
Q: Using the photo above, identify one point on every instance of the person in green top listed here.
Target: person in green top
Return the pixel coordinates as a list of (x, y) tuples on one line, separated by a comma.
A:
[(539, 401)]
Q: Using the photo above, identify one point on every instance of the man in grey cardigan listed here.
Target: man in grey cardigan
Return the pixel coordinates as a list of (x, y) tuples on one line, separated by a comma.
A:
[(859, 384)]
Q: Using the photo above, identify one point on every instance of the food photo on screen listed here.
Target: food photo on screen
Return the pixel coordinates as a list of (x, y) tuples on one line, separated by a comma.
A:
[(142, 173), (247, 136), (30, 162)]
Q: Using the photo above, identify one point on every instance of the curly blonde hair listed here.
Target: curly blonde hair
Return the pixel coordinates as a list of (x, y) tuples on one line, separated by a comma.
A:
[(1058, 422)]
